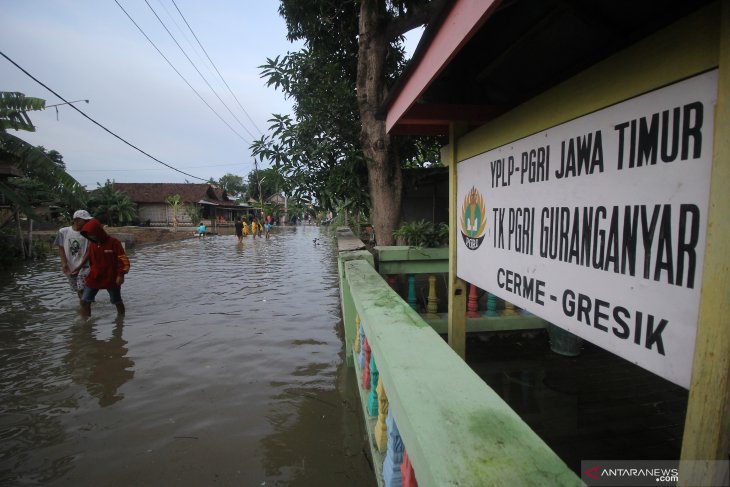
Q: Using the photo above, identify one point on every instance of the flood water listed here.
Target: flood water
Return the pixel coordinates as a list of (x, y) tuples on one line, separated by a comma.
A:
[(226, 370)]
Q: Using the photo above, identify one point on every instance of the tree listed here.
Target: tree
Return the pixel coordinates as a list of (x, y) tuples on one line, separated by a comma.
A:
[(353, 53), (233, 185), (194, 212), (264, 183), (111, 206), (45, 180), (174, 201)]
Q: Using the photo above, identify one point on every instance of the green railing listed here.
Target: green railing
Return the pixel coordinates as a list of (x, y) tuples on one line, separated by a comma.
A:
[(423, 403), (412, 261)]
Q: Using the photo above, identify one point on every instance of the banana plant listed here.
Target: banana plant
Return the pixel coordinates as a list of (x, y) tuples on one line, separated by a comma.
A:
[(48, 179), (174, 201)]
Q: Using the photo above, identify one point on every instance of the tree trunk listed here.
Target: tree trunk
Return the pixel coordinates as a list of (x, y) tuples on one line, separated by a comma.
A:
[(30, 238), (384, 173), (21, 244)]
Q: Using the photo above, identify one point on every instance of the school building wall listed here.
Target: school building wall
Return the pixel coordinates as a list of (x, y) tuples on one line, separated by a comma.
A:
[(693, 45)]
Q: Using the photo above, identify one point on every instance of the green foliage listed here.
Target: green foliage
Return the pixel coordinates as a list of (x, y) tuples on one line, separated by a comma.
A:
[(233, 185), (319, 149), (194, 212), (273, 209), (423, 233), (45, 181), (175, 202), (112, 207), (13, 108), (294, 208), (268, 180)]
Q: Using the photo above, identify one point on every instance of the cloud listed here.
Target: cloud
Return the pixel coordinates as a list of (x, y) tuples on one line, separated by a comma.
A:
[(88, 49)]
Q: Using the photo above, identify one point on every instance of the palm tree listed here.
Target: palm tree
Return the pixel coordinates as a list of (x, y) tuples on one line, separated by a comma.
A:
[(112, 206), (124, 210)]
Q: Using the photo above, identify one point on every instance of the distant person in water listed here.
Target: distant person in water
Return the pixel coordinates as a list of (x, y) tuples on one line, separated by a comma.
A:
[(245, 228), (239, 229), (201, 229), (109, 265), (267, 226), (72, 247), (254, 227)]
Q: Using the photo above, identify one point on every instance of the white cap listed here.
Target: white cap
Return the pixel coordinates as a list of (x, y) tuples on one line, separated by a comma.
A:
[(83, 214)]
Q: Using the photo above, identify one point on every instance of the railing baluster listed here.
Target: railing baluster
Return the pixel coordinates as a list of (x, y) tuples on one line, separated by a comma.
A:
[(491, 305), (433, 301), (472, 304), (361, 357), (406, 469), (392, 476), (393, 282), (366, 371), (373, 396), (412, 290), (381, 428)]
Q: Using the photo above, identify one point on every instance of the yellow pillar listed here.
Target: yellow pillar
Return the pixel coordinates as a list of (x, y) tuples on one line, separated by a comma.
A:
[(457, 287), (381, 429), (433, 302), (707, 424)]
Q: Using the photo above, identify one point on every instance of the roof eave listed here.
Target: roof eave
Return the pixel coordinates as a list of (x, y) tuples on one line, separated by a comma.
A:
[(456, 28)]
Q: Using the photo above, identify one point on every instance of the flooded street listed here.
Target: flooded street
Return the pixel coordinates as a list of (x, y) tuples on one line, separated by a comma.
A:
[(226, 370)]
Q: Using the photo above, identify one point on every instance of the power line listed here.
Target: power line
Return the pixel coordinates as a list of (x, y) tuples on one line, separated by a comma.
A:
[(256, 165), (179, 74), (94, 121), (196, 69), (185, 36), (216, 69), (153, 168)]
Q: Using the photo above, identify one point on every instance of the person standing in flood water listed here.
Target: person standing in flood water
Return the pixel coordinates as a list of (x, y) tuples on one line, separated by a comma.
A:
[(72, 251), (254, 227), (267, 226), (239, 230), (109, 265)]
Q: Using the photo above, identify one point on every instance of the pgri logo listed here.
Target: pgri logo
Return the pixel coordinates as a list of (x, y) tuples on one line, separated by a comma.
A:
[(473, 219)]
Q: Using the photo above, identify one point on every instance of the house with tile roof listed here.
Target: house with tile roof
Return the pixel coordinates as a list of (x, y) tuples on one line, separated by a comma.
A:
[(213, 201)]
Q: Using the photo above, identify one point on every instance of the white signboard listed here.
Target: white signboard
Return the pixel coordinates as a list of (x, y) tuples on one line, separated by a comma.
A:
[(598, 225)]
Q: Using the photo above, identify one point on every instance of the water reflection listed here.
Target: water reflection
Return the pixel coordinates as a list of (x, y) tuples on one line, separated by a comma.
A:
[(301, 452), (227, 370), (102, 366), (33, 393)]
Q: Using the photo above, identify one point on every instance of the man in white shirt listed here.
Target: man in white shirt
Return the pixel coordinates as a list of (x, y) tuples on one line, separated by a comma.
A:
[(72, 251)]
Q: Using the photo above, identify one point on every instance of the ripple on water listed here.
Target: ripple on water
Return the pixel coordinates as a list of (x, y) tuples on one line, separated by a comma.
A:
[(226, 351)]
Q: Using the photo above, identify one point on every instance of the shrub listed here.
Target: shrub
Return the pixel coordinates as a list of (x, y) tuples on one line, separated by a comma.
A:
[(423, 233)]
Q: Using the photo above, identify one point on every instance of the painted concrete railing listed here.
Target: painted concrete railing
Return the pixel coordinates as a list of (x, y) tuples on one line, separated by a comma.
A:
[(430, 418), (411, 261)]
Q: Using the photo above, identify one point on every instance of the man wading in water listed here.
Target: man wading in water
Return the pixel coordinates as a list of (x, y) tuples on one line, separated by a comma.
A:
[(109, 264)]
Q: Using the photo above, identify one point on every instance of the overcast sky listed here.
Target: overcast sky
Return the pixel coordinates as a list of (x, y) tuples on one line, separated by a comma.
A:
[(90, 49)]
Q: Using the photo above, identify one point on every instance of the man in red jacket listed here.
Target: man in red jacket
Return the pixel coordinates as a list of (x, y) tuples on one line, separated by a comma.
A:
[(108, 265)]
